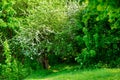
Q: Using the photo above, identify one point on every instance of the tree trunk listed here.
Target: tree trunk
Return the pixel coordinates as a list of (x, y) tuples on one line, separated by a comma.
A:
[(43, 59)]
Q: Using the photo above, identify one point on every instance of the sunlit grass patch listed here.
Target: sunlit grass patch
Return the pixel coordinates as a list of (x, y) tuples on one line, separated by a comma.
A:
[(67, 72)]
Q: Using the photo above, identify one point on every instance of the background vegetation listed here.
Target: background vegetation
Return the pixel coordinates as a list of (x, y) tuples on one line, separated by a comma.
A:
[(38, 34)]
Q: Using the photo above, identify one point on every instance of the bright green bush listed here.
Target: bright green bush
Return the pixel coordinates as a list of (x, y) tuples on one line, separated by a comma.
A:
[(100, 25), (8, 23), (12, 69)]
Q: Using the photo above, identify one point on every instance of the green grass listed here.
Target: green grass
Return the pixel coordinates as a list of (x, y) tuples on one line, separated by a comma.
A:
[(73, 73)]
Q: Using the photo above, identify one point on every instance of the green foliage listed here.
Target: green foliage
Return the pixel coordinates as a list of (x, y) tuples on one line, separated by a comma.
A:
[(83, 31), (11, 69), (8, 23), (100, 25), (20, 7), (87, 30), (49, 28)]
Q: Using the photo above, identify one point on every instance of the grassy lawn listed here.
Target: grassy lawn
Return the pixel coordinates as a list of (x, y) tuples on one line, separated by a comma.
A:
[(73, 73)]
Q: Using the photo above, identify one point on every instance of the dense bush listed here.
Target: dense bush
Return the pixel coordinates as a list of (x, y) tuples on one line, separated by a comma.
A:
[(100, 25), (50, 26), (10, 67)]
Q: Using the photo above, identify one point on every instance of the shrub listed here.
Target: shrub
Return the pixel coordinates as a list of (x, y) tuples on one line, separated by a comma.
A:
[(100, 25)]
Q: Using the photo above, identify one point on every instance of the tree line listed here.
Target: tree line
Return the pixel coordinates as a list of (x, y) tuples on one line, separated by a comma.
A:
[(37, 34)]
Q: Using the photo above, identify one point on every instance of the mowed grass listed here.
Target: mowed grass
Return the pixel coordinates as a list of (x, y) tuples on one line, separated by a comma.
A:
[(73, 73)]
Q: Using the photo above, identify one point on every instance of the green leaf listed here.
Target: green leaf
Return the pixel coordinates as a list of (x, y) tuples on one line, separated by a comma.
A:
[(2, 23), (85, 30), (92, 53), (101, 7)]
